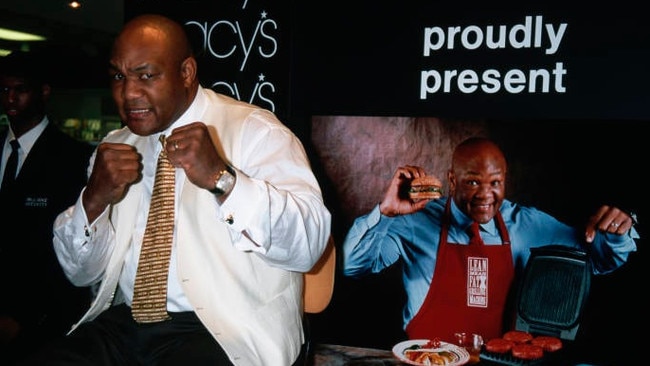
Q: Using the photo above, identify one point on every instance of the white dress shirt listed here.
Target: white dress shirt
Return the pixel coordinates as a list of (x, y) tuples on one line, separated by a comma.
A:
[(238, 265)]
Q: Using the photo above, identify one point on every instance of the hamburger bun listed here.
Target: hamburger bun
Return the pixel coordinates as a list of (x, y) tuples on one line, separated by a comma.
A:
[(427, 187)]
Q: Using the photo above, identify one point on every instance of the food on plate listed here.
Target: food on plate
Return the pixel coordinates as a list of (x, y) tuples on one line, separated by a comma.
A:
[(548, 343), (518, 336), (424, 352), (429, 357), (427, 187), (527, 351), (432, 343), (499, 345)]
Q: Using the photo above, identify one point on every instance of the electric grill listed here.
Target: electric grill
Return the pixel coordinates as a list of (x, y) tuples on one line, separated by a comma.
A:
[(550, 300)]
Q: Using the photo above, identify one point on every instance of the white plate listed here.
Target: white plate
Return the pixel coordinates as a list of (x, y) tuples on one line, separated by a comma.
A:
[(461, 356)]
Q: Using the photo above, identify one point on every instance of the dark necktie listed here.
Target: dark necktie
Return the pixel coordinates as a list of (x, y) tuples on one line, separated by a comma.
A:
[(150, 289), (474, 234), (12, 165)]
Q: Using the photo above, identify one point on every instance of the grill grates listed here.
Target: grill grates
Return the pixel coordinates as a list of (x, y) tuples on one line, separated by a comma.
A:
[(508, 359)]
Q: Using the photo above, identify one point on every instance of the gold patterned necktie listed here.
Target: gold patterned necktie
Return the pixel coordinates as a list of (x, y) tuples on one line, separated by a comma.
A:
[(150, 289)]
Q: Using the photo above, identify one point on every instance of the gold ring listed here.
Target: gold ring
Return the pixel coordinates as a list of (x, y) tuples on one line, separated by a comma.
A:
[(175, 145)]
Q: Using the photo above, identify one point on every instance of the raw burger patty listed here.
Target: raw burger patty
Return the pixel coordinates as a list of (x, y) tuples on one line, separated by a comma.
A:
[(518, 336), (527, 351), (498, 345), (548, 343)]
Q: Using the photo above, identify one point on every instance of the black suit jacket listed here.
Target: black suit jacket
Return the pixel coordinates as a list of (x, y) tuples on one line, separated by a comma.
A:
[(33, 288)]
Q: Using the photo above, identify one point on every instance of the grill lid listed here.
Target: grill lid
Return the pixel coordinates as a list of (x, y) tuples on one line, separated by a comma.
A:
[(553, 291)]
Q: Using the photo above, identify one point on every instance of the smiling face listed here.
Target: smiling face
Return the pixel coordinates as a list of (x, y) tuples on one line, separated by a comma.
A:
[(477, 178), (153, 74)]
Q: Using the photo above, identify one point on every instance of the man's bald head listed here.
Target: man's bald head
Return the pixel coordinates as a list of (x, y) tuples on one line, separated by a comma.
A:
[(153, 28), (477, 148)]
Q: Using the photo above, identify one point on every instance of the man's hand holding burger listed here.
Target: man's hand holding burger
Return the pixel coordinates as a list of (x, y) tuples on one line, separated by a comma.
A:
[(402, 197)]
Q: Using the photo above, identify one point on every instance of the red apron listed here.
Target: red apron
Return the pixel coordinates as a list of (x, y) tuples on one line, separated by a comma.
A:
[(469, 289)]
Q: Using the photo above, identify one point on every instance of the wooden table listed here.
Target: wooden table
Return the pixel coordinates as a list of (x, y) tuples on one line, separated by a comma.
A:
[(336, 355)]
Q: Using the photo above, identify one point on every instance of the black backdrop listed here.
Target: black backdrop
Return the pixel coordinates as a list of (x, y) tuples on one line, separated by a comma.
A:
[(366, 58)]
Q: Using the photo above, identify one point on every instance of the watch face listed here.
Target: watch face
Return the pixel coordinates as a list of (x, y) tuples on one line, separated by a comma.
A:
[(225, 183)]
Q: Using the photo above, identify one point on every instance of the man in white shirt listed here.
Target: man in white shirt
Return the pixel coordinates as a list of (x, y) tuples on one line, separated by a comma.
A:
[(249, 219)]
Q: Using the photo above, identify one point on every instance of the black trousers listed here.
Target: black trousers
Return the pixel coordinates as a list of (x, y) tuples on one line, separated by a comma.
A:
[(115, 339)]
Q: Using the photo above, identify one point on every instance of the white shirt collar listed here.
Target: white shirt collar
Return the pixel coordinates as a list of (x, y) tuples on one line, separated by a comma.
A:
[(27, 140)]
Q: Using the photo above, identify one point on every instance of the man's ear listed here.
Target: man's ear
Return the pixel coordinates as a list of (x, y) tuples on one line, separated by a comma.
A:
[(45, 91), (451, 178), (188, 70)]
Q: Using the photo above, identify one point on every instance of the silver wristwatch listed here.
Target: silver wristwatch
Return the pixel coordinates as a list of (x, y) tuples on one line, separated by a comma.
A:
[(224, 182)]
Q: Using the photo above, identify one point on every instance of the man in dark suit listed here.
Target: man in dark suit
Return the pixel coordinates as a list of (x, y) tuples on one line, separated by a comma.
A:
[(37, 301)]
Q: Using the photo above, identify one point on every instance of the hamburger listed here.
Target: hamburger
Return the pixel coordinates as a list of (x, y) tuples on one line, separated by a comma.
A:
[(425, 188)]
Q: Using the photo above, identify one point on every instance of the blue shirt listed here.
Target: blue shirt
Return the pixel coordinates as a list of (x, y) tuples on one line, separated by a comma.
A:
[(376, 242)]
